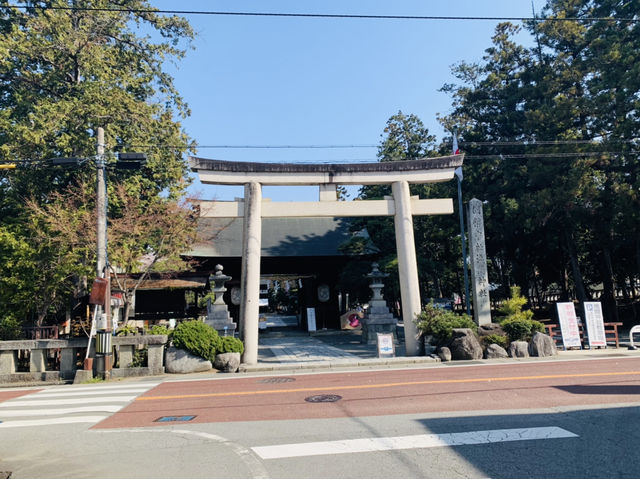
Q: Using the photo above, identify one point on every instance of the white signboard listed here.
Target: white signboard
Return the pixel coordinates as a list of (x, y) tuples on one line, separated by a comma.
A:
[(386, 348), (311, 319), (595, 324), (568, 325)]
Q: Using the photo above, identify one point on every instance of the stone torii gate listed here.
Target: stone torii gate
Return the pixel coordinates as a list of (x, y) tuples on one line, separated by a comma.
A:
[(402, 206)]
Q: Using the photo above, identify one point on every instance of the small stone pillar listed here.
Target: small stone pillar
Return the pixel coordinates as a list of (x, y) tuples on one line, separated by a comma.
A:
[(217, 311), (378, 318), (478, 260)]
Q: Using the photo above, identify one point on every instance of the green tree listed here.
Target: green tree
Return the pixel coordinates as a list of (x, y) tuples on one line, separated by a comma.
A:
[(67, 68), (558, 213), (437, 238)]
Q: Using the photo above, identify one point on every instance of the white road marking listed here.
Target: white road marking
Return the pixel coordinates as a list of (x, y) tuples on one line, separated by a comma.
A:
[(68, 405), (87, 393), (62, 402), (421, 441), (50, 421), (55, 412), (98, 387)]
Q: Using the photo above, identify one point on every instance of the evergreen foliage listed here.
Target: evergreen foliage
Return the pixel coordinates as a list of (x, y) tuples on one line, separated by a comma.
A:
[(231, 345), (64, 73), (440, 322), (198, 338)]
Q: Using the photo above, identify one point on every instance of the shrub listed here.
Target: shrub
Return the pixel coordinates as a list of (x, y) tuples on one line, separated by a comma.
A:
[(518, 324), (495, 339), (231, 345), (198, 338), (127, 331), (157, 329), (440, 322), (512, 307), (10, 329), (519, 329)]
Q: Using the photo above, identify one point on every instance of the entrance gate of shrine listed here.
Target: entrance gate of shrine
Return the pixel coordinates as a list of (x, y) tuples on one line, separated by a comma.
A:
[(252, 208)]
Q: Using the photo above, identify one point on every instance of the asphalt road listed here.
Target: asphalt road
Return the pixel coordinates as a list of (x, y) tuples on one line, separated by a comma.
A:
[(537, 419)]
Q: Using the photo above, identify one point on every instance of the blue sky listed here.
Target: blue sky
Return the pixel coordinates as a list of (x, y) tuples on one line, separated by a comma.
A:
[(309, 81)]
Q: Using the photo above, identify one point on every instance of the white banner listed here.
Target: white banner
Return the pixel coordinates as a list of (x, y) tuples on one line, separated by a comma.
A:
[(311, 319), (595, 324), (568, 325)]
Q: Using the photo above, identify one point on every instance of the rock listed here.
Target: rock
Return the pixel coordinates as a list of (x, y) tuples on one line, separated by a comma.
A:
[(542, 345), (444, 353), (179, 361), (465, 345), (227, 362), (490, 328), (428, 345), (495, 351), (519, 349)]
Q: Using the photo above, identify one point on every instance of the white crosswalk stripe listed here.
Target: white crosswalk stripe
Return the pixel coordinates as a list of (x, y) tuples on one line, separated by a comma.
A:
[(68, 405)]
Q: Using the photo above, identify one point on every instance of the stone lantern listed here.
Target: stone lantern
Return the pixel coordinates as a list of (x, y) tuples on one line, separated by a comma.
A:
[(218, 316), (378, 318)]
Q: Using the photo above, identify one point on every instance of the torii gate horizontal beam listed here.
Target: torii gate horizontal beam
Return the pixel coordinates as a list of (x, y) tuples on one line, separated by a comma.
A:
[(428, 170), (301, 209)]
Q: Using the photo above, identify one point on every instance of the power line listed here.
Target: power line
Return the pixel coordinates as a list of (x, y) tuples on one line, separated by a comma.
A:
[(336, 15), (523, 143)]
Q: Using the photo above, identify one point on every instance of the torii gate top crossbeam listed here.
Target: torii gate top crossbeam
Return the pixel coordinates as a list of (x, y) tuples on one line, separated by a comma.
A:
[(426, 170)]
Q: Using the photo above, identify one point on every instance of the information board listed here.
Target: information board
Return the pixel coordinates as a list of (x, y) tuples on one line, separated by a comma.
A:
[(595, 324), (386, 348), (568, 325), (311, 319)]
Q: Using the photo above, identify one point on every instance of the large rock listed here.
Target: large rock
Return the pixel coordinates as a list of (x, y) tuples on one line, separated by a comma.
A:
[(227, 362), (444, 353), (179, 361), (495, 351), (465, 345), (519, 349), (542, 345), (491, 328)]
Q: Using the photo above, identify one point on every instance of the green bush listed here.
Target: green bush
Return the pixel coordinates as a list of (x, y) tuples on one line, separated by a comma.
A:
[(495, 339), (519, 325), (10, 329), (157, 329), (520, 329), (127, 331), (440, 322), (198, 338), (231, 345)]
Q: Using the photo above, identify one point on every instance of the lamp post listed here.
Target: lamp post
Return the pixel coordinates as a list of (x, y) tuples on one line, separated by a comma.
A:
[(458, 173)]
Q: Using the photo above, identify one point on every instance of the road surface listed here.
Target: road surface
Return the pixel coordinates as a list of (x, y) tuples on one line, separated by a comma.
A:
[(521, 419)]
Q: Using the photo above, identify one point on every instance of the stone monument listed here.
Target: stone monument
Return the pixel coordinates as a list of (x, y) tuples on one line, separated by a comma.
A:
[(378, 318), (478, 260), (218, 316)]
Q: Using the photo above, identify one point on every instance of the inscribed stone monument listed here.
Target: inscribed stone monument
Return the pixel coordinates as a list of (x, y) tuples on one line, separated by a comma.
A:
[(478, 260)]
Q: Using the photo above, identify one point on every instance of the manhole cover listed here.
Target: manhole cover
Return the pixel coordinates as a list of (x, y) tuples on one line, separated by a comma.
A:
[(174, 418), (324, 398), (276, 380)]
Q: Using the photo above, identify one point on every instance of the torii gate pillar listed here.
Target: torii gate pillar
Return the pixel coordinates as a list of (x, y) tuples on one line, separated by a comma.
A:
[(407, 264), (251, 246)]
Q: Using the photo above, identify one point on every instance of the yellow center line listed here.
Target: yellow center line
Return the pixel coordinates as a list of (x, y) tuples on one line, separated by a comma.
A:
[(387, 385)]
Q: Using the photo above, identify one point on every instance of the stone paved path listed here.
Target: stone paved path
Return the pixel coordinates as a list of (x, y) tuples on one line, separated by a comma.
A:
[(303, 349)]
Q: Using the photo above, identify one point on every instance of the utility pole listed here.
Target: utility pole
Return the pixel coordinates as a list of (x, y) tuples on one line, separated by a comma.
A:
[(101, 205), (103, 336)]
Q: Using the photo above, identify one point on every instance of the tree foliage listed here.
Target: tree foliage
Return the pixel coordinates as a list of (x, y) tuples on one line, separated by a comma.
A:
[(549, 131), (66, 70)]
